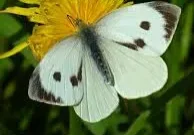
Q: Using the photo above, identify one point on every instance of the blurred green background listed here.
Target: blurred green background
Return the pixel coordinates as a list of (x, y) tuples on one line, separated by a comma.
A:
[(168, 112)]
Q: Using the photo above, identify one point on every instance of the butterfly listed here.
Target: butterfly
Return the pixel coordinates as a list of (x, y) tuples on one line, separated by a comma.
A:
[(118, 55)]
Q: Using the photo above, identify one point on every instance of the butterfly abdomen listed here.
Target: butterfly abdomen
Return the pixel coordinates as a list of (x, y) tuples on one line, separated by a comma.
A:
[(91, 41)]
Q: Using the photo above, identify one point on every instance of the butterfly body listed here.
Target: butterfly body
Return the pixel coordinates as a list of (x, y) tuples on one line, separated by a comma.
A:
[(120, 54), (90, 41)]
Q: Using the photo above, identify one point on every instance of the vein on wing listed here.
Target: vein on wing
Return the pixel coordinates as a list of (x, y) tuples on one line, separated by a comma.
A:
[(87, 56), (75, 45)]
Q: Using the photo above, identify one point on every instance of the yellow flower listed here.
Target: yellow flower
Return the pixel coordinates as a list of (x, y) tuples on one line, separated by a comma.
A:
[(52, 24)]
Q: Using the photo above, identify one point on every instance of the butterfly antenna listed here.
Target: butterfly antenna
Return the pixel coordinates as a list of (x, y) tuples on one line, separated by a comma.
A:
[(71, 20)]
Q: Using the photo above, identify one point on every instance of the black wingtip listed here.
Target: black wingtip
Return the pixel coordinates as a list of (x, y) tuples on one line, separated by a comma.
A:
[(171, 13), (38, 93)]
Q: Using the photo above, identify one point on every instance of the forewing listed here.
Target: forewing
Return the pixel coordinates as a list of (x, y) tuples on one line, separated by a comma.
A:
[(58, 79), (100, 98), (147, 28), (136, 75)]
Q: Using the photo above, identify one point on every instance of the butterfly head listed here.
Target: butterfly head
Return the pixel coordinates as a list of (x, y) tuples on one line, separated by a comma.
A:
[(76, 22)]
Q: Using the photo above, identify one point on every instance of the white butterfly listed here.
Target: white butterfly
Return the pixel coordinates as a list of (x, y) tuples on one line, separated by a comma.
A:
[(120, 54)]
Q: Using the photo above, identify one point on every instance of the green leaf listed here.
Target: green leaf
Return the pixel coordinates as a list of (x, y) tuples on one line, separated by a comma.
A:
[(111, 123), (75, 123), (179, 88), (138, 124), (6, 65), (29, 58), (2, 2), (9, 25), (174, 111), (186, 38), (10, 89)]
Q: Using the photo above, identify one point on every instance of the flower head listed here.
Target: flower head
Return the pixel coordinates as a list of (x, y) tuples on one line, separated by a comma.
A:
[(52, 23)]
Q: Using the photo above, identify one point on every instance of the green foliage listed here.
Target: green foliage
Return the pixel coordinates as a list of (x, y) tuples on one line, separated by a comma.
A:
[(168, 112)]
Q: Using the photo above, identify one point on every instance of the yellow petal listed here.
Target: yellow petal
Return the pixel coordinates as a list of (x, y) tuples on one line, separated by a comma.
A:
[(128, 4), (32, 13), (21, 11), (15, 50), (30, 1)]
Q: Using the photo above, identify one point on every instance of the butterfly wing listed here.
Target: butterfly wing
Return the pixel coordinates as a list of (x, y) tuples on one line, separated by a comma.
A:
[(100, 99), (58, 79), (80, 83), (135, 74), (147, 28)]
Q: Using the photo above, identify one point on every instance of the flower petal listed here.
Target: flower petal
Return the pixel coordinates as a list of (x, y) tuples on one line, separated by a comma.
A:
[(32, 13), (30, 1), (15, 50), (128, 4)]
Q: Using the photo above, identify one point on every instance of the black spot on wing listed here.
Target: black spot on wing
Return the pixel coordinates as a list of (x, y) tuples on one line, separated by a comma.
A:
[(128, 45), (38, 92), (170, 14), (57, 76), (140, 42), (74, 81), (145, 25), (48, 96)]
